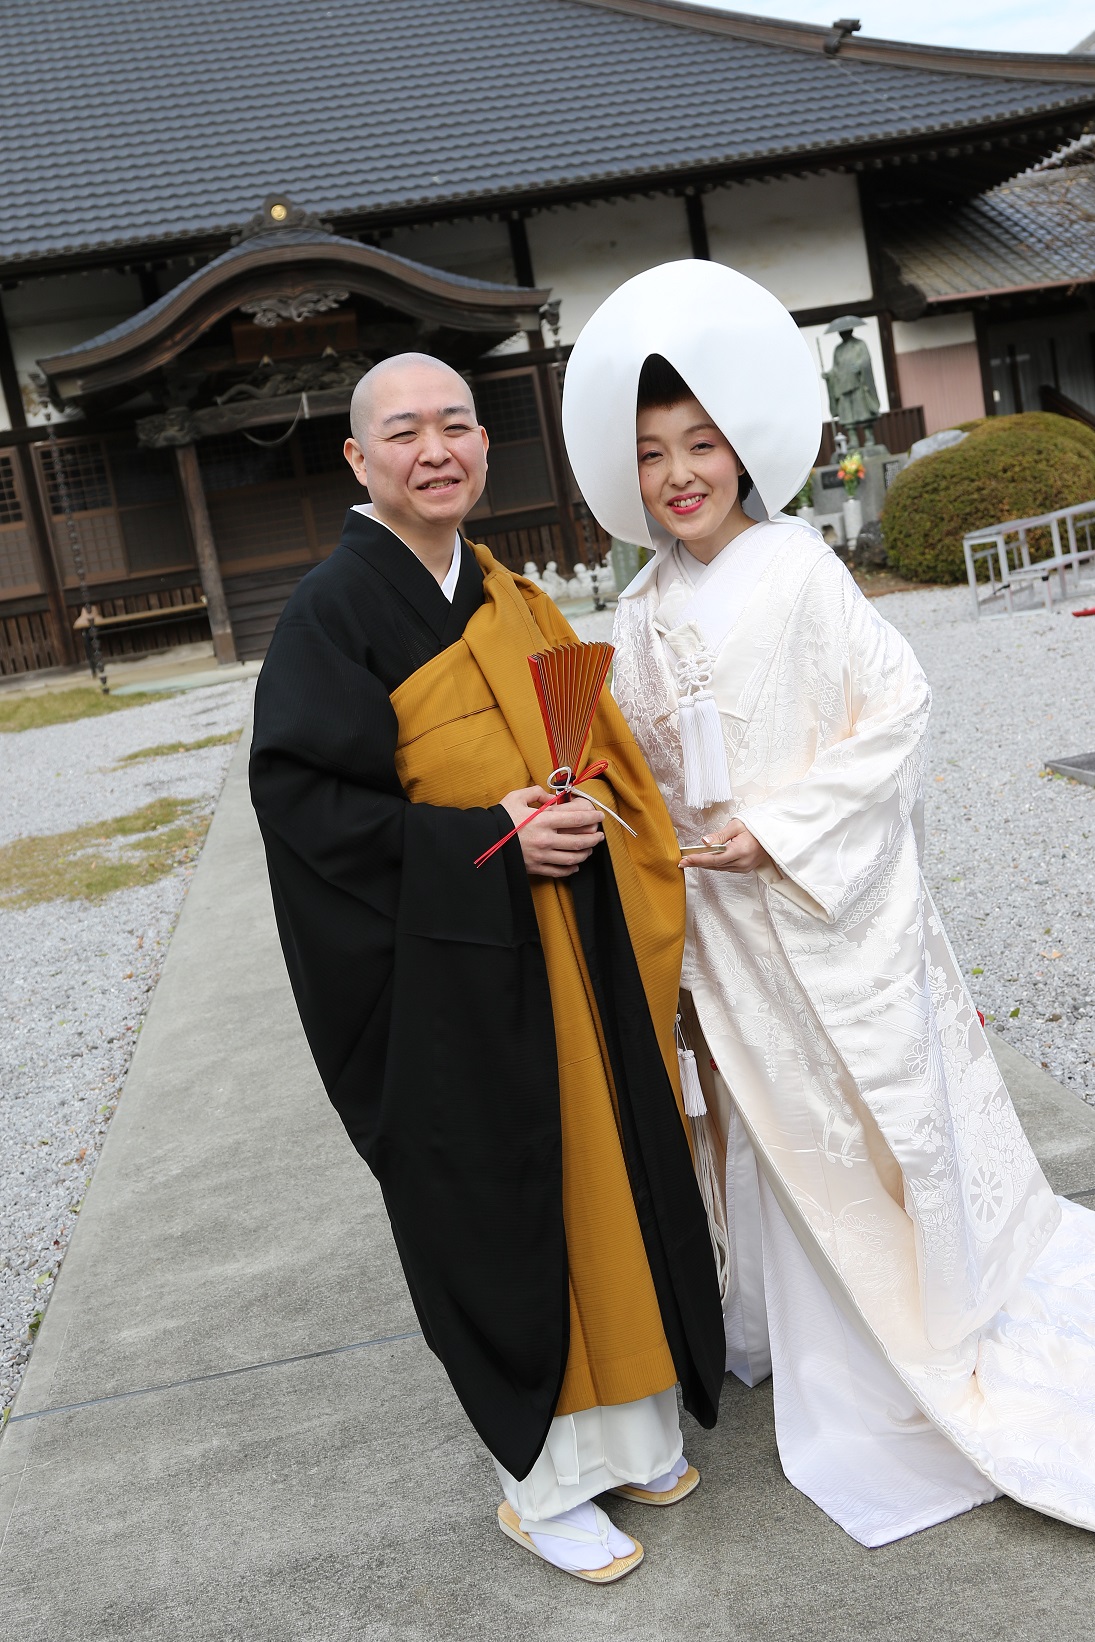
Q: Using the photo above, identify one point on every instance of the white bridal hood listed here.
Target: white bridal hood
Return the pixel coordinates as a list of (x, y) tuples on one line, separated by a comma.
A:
[(740, 352)]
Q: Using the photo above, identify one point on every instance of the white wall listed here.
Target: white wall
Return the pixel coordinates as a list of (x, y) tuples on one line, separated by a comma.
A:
[(478, 249), (47, 315), (800, 237), (584, 252), (944, 331)]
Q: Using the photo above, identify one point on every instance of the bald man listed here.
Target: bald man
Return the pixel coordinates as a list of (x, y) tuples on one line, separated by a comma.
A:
[(498, 1041)]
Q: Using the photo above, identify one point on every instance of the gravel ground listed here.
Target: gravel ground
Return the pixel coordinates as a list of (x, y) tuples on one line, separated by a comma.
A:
[(64, 775), (76, 978), (1010, 855)]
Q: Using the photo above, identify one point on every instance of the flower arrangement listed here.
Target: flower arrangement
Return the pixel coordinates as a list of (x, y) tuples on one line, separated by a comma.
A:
[(851, 471)]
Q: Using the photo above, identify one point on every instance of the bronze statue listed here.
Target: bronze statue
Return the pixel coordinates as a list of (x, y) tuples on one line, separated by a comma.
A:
[(853, 398)]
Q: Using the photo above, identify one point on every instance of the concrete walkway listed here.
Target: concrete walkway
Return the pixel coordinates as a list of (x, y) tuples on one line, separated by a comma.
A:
[(231, 1429)]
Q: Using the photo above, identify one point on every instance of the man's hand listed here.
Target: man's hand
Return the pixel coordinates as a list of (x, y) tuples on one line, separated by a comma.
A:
[(743, 853), (557, 842)]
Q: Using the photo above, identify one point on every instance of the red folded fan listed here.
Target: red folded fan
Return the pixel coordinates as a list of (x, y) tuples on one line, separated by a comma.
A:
[(568, 682)]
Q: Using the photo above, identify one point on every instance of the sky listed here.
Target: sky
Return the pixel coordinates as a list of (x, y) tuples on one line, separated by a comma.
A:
[(986, 25)]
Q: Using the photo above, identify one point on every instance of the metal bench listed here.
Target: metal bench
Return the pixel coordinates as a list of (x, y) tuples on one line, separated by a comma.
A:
[(1004, 550)]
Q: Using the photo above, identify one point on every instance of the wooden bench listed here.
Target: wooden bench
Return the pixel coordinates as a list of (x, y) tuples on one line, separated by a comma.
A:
[(133, 619)]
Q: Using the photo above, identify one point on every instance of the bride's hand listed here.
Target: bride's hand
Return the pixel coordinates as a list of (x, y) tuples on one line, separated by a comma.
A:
[(743, 853)]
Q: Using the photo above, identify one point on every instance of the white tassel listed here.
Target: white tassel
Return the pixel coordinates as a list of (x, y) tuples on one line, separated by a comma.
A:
[(706, 776), (706, 1162), (694, 1103), (709, 1180)]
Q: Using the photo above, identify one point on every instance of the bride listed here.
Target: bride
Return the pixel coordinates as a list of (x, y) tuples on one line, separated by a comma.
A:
[(898, 1263)]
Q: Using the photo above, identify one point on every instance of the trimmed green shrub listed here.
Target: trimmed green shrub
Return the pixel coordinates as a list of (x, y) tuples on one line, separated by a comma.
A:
[(1010, 467)]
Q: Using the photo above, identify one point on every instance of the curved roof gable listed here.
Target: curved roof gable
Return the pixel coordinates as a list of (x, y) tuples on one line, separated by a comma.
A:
[(284, 262)]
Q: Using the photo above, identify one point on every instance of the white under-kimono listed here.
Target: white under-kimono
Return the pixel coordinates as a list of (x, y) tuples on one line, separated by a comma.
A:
[(899, 1264)]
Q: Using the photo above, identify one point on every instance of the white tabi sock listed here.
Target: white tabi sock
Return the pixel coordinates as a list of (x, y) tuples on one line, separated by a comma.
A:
[(604, 1545), (662, 1485)]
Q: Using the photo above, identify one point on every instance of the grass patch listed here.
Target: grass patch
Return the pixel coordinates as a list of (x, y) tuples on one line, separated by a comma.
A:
[(63, 706), (95, 860), (167, 748)]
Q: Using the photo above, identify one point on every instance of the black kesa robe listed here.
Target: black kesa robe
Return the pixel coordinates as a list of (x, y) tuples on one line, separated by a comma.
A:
[(423, 992)]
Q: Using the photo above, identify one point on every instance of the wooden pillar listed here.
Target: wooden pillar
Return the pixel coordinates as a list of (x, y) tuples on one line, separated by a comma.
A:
[(39, 520), (190, 477), (697, 225), (9, 381), (889, 359), (36, 516), (520, 250)]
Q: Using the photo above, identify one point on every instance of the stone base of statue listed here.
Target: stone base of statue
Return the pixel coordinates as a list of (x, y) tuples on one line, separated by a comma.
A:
[(828, 493)]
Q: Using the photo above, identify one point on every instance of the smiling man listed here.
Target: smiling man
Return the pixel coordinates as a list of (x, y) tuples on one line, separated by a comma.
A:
[(499, 1042)]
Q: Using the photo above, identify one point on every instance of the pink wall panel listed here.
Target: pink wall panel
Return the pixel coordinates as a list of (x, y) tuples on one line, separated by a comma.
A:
[(946, 381)]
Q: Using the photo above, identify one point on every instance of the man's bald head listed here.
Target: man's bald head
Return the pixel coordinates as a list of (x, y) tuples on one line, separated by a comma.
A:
[(404, 375), (419, 449)]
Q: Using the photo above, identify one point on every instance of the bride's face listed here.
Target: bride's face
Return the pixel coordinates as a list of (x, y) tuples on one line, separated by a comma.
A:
[(688, 472)]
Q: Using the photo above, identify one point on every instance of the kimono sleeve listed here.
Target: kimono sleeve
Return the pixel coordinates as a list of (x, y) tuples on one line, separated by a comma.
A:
[(323, 776), (830, 830), (352, 862)]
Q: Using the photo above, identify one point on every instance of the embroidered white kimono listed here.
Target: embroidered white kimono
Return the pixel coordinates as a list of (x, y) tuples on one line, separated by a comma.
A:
[(925, 1304)]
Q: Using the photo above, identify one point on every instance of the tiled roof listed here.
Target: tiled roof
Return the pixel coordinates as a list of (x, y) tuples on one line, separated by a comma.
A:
[(131, 124), (1037, 230)]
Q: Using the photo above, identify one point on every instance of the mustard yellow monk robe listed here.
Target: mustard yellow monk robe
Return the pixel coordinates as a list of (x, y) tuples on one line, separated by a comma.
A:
[(499, 1046), (458, 747)]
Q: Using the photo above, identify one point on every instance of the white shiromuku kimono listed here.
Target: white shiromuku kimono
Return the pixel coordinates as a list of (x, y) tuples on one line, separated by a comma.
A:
[(899, 1264)]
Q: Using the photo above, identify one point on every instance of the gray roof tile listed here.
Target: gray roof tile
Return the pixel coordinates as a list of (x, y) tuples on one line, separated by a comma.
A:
[(1037, 230), (130, 124)]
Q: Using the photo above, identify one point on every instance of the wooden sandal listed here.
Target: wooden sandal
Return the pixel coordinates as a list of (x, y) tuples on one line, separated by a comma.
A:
[(510, 1524), (643, 1496)]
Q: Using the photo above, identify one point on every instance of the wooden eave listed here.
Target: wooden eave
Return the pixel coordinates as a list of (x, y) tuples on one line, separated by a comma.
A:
[(1033, 288), (176, 321), (982, 155), (813, 38)]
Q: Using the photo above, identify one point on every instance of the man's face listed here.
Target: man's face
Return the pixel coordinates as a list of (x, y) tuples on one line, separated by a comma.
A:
[(424, 454)]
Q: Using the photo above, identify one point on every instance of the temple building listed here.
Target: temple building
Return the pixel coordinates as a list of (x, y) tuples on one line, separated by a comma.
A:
[(216, 217)]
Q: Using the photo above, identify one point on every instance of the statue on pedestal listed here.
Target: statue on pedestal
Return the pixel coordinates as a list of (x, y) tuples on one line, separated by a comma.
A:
[(853, 397)]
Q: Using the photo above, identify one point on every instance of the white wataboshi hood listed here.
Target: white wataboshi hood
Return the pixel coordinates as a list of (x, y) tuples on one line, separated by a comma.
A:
[(742, 355)]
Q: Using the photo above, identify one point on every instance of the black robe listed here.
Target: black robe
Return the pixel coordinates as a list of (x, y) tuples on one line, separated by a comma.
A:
[(423, 993)]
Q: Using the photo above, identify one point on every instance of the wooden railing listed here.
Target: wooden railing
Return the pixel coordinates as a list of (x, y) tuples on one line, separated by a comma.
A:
[(1053, 400), (896, 429)]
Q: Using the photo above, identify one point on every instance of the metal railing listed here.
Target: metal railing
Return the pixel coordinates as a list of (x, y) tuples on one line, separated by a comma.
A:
[(1003, 550)]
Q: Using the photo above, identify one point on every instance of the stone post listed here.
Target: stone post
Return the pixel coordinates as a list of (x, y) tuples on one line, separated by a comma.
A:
[(224, 643)]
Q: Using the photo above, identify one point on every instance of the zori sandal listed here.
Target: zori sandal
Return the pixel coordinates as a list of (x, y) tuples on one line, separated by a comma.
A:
[(592, 1538), (687, 1479)]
